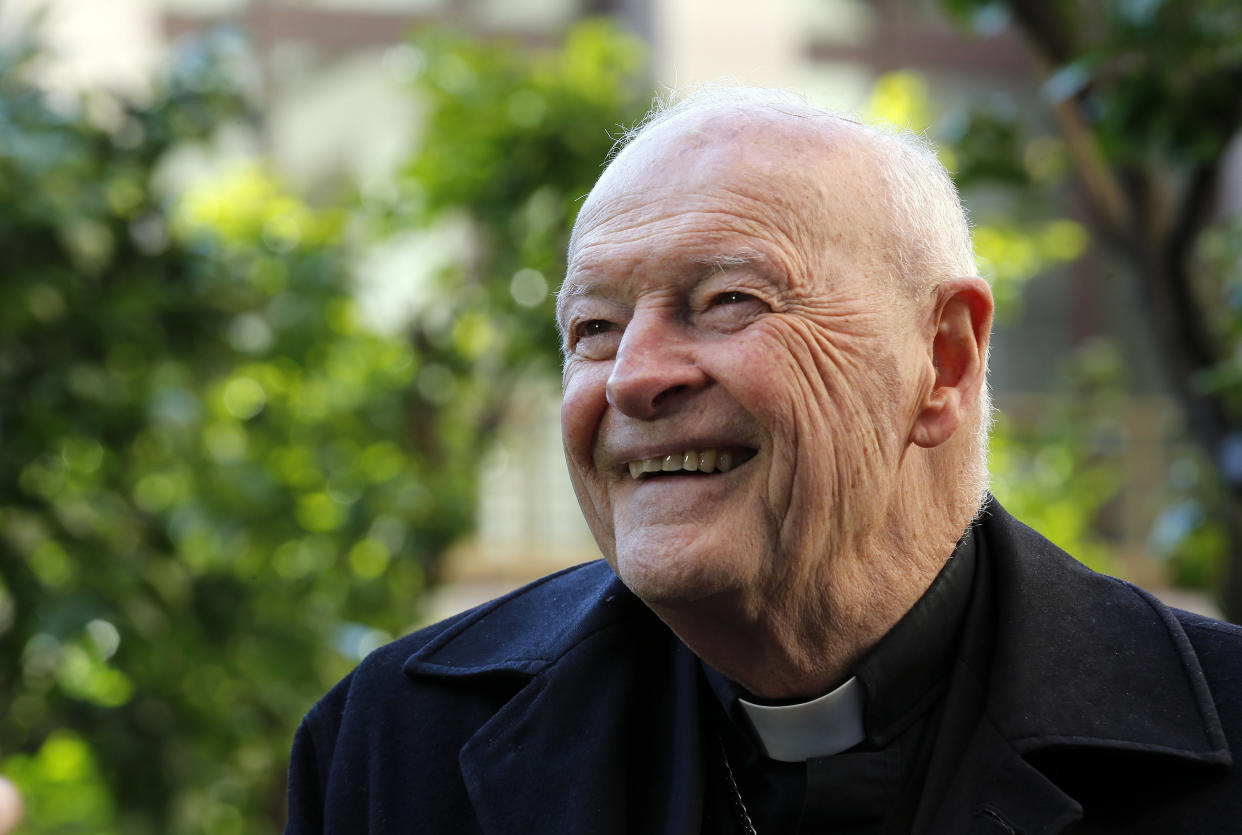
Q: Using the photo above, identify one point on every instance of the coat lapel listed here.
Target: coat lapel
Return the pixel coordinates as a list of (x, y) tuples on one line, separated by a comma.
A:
[(996, 791), (604, 735), (620, 754), (1060, 662), (1084, 660)]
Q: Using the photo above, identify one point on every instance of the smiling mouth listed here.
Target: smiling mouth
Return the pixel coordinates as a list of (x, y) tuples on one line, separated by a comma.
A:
[(712, 460)]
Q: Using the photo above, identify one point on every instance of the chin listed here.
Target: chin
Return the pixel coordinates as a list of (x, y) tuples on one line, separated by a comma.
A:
[(671, 575)]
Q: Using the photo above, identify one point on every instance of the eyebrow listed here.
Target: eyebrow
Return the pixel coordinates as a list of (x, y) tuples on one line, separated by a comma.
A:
[(743, 258), (573, 288), (708, 266), (568, 290)]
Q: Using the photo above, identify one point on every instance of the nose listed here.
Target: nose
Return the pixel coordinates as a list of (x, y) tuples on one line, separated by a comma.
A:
[(654, 370)]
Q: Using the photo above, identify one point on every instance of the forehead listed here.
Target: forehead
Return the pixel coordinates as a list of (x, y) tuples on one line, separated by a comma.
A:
[(729, 188)]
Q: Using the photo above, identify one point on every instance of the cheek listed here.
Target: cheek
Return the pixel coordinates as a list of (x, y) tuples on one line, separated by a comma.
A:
[(583, 406), (848, 383), (828, 402), (583, 403), (808, 386)]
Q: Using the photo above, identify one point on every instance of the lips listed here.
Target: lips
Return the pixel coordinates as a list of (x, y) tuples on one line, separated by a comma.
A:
[(707, 460)]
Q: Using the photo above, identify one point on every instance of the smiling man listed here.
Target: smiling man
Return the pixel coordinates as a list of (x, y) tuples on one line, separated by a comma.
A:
[(737, 288), (812, 618)]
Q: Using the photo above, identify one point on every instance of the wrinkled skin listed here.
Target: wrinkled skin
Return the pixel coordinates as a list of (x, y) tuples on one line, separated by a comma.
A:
[(727, 287)]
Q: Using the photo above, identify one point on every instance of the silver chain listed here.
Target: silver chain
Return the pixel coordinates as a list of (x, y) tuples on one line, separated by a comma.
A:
[(739, 805)]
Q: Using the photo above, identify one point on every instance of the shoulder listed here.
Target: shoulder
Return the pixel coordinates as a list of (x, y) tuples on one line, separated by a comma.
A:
[(1218, 647), (1108, 689), (513, 633), (1044, 585), (1214, 636), (401, 716), (1040, 570)]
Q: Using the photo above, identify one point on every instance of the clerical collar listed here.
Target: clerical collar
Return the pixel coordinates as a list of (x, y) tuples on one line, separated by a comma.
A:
[(902, 675), (818, 728)]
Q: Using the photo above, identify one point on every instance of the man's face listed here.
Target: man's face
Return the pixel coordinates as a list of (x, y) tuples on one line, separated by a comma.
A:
[(735, 405)]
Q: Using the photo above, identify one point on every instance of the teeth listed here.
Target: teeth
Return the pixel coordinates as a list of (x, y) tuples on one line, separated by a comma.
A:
[(692, 460)]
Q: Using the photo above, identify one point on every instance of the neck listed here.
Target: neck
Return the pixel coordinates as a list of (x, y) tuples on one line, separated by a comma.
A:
[(759, 656), (802, 640)]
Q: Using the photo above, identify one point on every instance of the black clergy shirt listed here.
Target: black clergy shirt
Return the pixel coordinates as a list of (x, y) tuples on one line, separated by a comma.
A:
[(874, 787)]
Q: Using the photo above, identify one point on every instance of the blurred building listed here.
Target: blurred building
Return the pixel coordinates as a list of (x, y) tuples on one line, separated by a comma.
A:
[(330, 76)]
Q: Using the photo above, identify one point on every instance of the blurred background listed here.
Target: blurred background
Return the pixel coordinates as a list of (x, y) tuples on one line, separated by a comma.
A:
[(278, 374)]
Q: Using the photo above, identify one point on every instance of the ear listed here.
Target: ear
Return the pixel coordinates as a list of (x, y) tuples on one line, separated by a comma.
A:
[(962, 319)]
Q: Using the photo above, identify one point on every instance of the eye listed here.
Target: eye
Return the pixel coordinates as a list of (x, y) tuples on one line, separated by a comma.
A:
[(732, 297), (594, 338), (594, 327), (730, 310)]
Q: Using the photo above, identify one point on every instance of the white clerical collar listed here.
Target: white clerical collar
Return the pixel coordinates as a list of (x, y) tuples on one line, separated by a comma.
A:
[(818, 728)]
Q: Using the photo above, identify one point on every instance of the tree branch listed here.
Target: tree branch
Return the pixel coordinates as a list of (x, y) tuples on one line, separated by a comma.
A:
[(1046, 29), (1103, 188)]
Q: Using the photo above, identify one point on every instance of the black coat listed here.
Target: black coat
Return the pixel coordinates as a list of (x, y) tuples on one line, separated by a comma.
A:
[(567, 707)]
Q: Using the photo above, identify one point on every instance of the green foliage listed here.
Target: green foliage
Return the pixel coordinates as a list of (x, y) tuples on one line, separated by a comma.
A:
[(62, 788), (218, 489), (1057, 470), (1142, 101), (1162, 73), (1155, 76), (513, 142), (1220, 278), (208, 467)]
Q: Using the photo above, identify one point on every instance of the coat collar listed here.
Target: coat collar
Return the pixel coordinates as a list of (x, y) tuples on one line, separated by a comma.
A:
[(528, 630), (602, 690), (1030, 696), (1045, 683)]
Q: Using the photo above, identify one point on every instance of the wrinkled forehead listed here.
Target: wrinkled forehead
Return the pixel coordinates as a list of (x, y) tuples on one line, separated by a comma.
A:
[(811, 176)]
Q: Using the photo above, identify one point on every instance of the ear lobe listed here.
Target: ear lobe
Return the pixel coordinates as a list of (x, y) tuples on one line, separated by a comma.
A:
[(959, 349)]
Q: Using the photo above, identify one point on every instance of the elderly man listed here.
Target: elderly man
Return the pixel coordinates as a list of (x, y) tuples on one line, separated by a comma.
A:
[(812, 618)]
